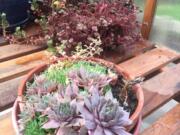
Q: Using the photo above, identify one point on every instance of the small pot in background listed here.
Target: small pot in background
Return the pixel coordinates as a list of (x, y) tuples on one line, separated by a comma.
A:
[(17, 12)]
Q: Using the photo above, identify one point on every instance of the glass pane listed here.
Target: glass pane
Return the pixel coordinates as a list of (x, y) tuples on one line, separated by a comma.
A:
[(166, 26), (140, 4)]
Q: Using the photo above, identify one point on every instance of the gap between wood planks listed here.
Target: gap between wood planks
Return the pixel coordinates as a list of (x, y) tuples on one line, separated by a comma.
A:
[(160, 89), (11, 51), (169, 124), (20, 66), (146, 63), (14, 50)]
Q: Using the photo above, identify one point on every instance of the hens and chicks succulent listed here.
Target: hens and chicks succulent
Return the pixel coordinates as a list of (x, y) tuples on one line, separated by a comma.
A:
[(77, 102)]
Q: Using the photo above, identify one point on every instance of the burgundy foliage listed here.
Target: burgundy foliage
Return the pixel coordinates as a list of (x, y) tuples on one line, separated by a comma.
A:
[(114, 22)]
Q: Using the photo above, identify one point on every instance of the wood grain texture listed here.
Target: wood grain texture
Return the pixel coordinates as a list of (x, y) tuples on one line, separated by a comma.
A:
[(149, 12), (8, 92), (169, 124), (117, 57), (149, 62), (165, 83), (12, 51), (160, 89), (20, 66)]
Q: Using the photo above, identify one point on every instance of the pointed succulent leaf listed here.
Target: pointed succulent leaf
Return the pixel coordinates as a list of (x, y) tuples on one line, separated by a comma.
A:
[(51, 124), (86, 79), (41, 86), (66, 131), (106, 113), (72, 90)]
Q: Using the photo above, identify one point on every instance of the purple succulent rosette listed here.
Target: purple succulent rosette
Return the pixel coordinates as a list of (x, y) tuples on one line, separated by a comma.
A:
[(103, 115)]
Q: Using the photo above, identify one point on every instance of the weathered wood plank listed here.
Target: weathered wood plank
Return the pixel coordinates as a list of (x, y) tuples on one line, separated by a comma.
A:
[(2, 41), (169, 124), (6, 127), (149, 12), (117, 57), (20, 66), (8, 92), (14, 50), (160, 89), (149, 62)]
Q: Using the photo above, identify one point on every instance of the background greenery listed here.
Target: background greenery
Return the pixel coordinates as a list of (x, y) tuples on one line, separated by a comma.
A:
[(169, 8)]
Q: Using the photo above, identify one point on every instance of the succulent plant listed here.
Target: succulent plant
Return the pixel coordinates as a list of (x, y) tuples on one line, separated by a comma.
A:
[(103, 115), (70, 92), (58, 72), (33, 127), (62, 115), (41, 86), (86, 79), (81, 103), (42, 103), (27, 113)]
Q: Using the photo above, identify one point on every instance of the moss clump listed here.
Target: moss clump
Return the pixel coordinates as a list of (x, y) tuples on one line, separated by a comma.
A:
[(33, 127), (58, 72)]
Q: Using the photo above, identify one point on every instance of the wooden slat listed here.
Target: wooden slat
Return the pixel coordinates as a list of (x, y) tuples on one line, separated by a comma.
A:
[(8, 92), (2, 41), (149, 62), (149, 12), (169, 124), (117, 57), (20, 66), (160, 89), (6, 127), (13, 51)]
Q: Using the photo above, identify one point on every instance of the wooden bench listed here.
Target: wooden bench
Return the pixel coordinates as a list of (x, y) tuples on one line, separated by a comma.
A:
[(169, 124), (149, 61)]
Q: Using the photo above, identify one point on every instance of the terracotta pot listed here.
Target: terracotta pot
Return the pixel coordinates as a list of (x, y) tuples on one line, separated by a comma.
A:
[(135, 117)]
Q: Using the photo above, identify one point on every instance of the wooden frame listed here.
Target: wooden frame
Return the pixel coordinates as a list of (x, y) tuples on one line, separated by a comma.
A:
[(149, 12)]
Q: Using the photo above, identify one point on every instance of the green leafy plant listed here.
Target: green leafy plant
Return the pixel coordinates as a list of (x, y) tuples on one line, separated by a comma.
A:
[(58, 72), (33, 127), (85, 28), (4, 23), (34, 5), (43, 23), (19, 33)]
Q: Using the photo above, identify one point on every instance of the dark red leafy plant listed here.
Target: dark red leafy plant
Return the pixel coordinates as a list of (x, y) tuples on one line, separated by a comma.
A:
[(75, 23), (114, 22)]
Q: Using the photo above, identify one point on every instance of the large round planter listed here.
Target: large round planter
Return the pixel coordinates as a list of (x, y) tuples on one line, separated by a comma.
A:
[(16, 12), (135, 117)]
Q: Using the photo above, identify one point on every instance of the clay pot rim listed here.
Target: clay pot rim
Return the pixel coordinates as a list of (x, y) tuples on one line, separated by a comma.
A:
[(40, 68)]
